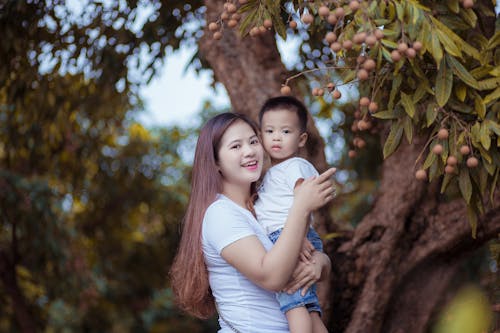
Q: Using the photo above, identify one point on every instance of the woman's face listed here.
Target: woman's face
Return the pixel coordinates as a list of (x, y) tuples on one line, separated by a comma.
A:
[(240, 155)]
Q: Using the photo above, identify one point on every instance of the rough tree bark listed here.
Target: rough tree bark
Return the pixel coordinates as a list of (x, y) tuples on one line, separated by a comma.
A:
[(394, 271)]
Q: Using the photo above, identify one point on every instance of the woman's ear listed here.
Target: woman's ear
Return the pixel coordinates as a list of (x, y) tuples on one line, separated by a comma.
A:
[(303, 139)]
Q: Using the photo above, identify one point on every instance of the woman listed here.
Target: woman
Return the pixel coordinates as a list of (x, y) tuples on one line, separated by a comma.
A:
[(225, 258)]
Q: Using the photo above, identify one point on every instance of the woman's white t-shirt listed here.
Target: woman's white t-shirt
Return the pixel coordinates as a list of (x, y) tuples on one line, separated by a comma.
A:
[(248, 307)]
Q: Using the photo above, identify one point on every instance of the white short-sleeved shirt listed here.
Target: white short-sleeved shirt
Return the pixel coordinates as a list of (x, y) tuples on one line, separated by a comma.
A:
[(276, 191), (248, 307)]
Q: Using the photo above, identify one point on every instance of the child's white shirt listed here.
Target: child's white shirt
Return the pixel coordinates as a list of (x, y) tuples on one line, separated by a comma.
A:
[(276, 191)]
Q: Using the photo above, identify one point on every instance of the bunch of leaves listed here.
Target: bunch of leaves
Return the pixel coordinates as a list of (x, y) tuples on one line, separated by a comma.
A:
[(452, 82)]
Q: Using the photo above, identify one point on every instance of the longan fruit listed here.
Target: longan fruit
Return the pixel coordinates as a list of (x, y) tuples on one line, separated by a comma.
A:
[(437, 149), (362, 74), (464, 150), (336, 94), (443, 134), (292, 24), (449, 169), (373, 107), (330, 37), (472, 162), (421, 174), (285, 90), (307, 18), (217, 35), (354, 5), (267, 23), (213, 26), (451, 160), (324, 11), (395, 55), (364, 101)]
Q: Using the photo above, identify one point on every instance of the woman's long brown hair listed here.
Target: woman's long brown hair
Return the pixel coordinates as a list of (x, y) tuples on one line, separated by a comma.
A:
[(189, 275)]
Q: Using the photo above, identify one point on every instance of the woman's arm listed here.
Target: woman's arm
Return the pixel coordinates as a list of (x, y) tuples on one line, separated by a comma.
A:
[(272, 270)]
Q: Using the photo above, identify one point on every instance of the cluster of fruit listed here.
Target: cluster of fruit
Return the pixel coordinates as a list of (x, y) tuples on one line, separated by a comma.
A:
[(230, 16), (451, 161)]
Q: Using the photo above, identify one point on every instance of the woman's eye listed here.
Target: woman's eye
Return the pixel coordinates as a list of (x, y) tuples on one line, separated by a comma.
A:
[(254, 142), (236, 147)]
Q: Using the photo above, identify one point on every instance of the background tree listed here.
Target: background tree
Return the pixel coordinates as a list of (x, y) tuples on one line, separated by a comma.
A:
[(90, 201)]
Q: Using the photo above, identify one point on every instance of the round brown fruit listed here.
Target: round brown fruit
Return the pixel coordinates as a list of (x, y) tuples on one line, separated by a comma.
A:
[(292, 24), (402, 47), (335, 46), (451, 160), (417, 45), (449, 169), (217, 35), (354, 5), (472, 162), (347, 44), (352, 153), (361, 143), (369, 64), (324, 11), (331, 37), (443, 134), (362, 74), (336, 94), (332, 19), (437, 149), (373, 107), (285, 90), (395, 55), (411, 53), (307, 18), (371, 40), (339, 12), (213, 26), (464, 150), (468, 4), (421, 174), (267, 23), (364, 101), (232, 23), (378, 33), (231, 8)]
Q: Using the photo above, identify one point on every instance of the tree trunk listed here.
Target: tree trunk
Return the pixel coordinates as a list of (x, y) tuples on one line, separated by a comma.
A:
[(394, 271)]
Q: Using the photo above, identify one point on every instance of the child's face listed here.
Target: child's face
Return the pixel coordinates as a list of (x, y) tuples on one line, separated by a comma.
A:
[(281, 134)]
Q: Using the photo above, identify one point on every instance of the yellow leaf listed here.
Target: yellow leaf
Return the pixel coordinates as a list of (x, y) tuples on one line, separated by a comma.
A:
[(444, 83)]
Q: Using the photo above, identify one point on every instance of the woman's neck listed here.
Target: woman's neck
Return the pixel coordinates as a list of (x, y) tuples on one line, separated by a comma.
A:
[(236, 194)]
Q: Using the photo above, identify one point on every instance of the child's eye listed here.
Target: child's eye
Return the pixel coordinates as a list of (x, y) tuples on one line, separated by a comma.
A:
[(286, 131), (268, 131)]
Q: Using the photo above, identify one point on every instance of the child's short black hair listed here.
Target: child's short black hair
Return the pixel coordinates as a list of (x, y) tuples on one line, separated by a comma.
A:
[(286, 103)]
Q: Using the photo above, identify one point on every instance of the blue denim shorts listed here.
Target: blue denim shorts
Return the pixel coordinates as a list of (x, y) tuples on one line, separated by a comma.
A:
[(310, 299)]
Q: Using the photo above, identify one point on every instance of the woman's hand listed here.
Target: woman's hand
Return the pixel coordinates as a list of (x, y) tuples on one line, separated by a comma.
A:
[(306, 273), (315, 192)]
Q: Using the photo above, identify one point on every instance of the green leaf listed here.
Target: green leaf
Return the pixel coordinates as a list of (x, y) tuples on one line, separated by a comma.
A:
[(389, 43), (460, 91), (465, 47), (396, 83), (408, 105), (420, 92), (393, 139), (453, 5), (484, 135), (431, 113), (494, 41), (444, 83), (488, 84), (248, 20), (408, 129), (469, 16), (449, 44), (461, 72), (446, 181), (388, 114), (492, 126), (494, 96), (465, 184), (431, 158), (479, 106), (436, 50)]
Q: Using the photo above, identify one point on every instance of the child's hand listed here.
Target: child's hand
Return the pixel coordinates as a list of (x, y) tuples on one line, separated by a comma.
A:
[(315, 192), (306, 251)]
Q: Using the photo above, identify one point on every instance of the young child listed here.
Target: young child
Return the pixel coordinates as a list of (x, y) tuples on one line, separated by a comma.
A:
[(283, 122)]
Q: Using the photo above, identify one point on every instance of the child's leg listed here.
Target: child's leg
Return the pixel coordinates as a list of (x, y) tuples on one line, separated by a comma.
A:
[(299, 320), (317, 323)]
